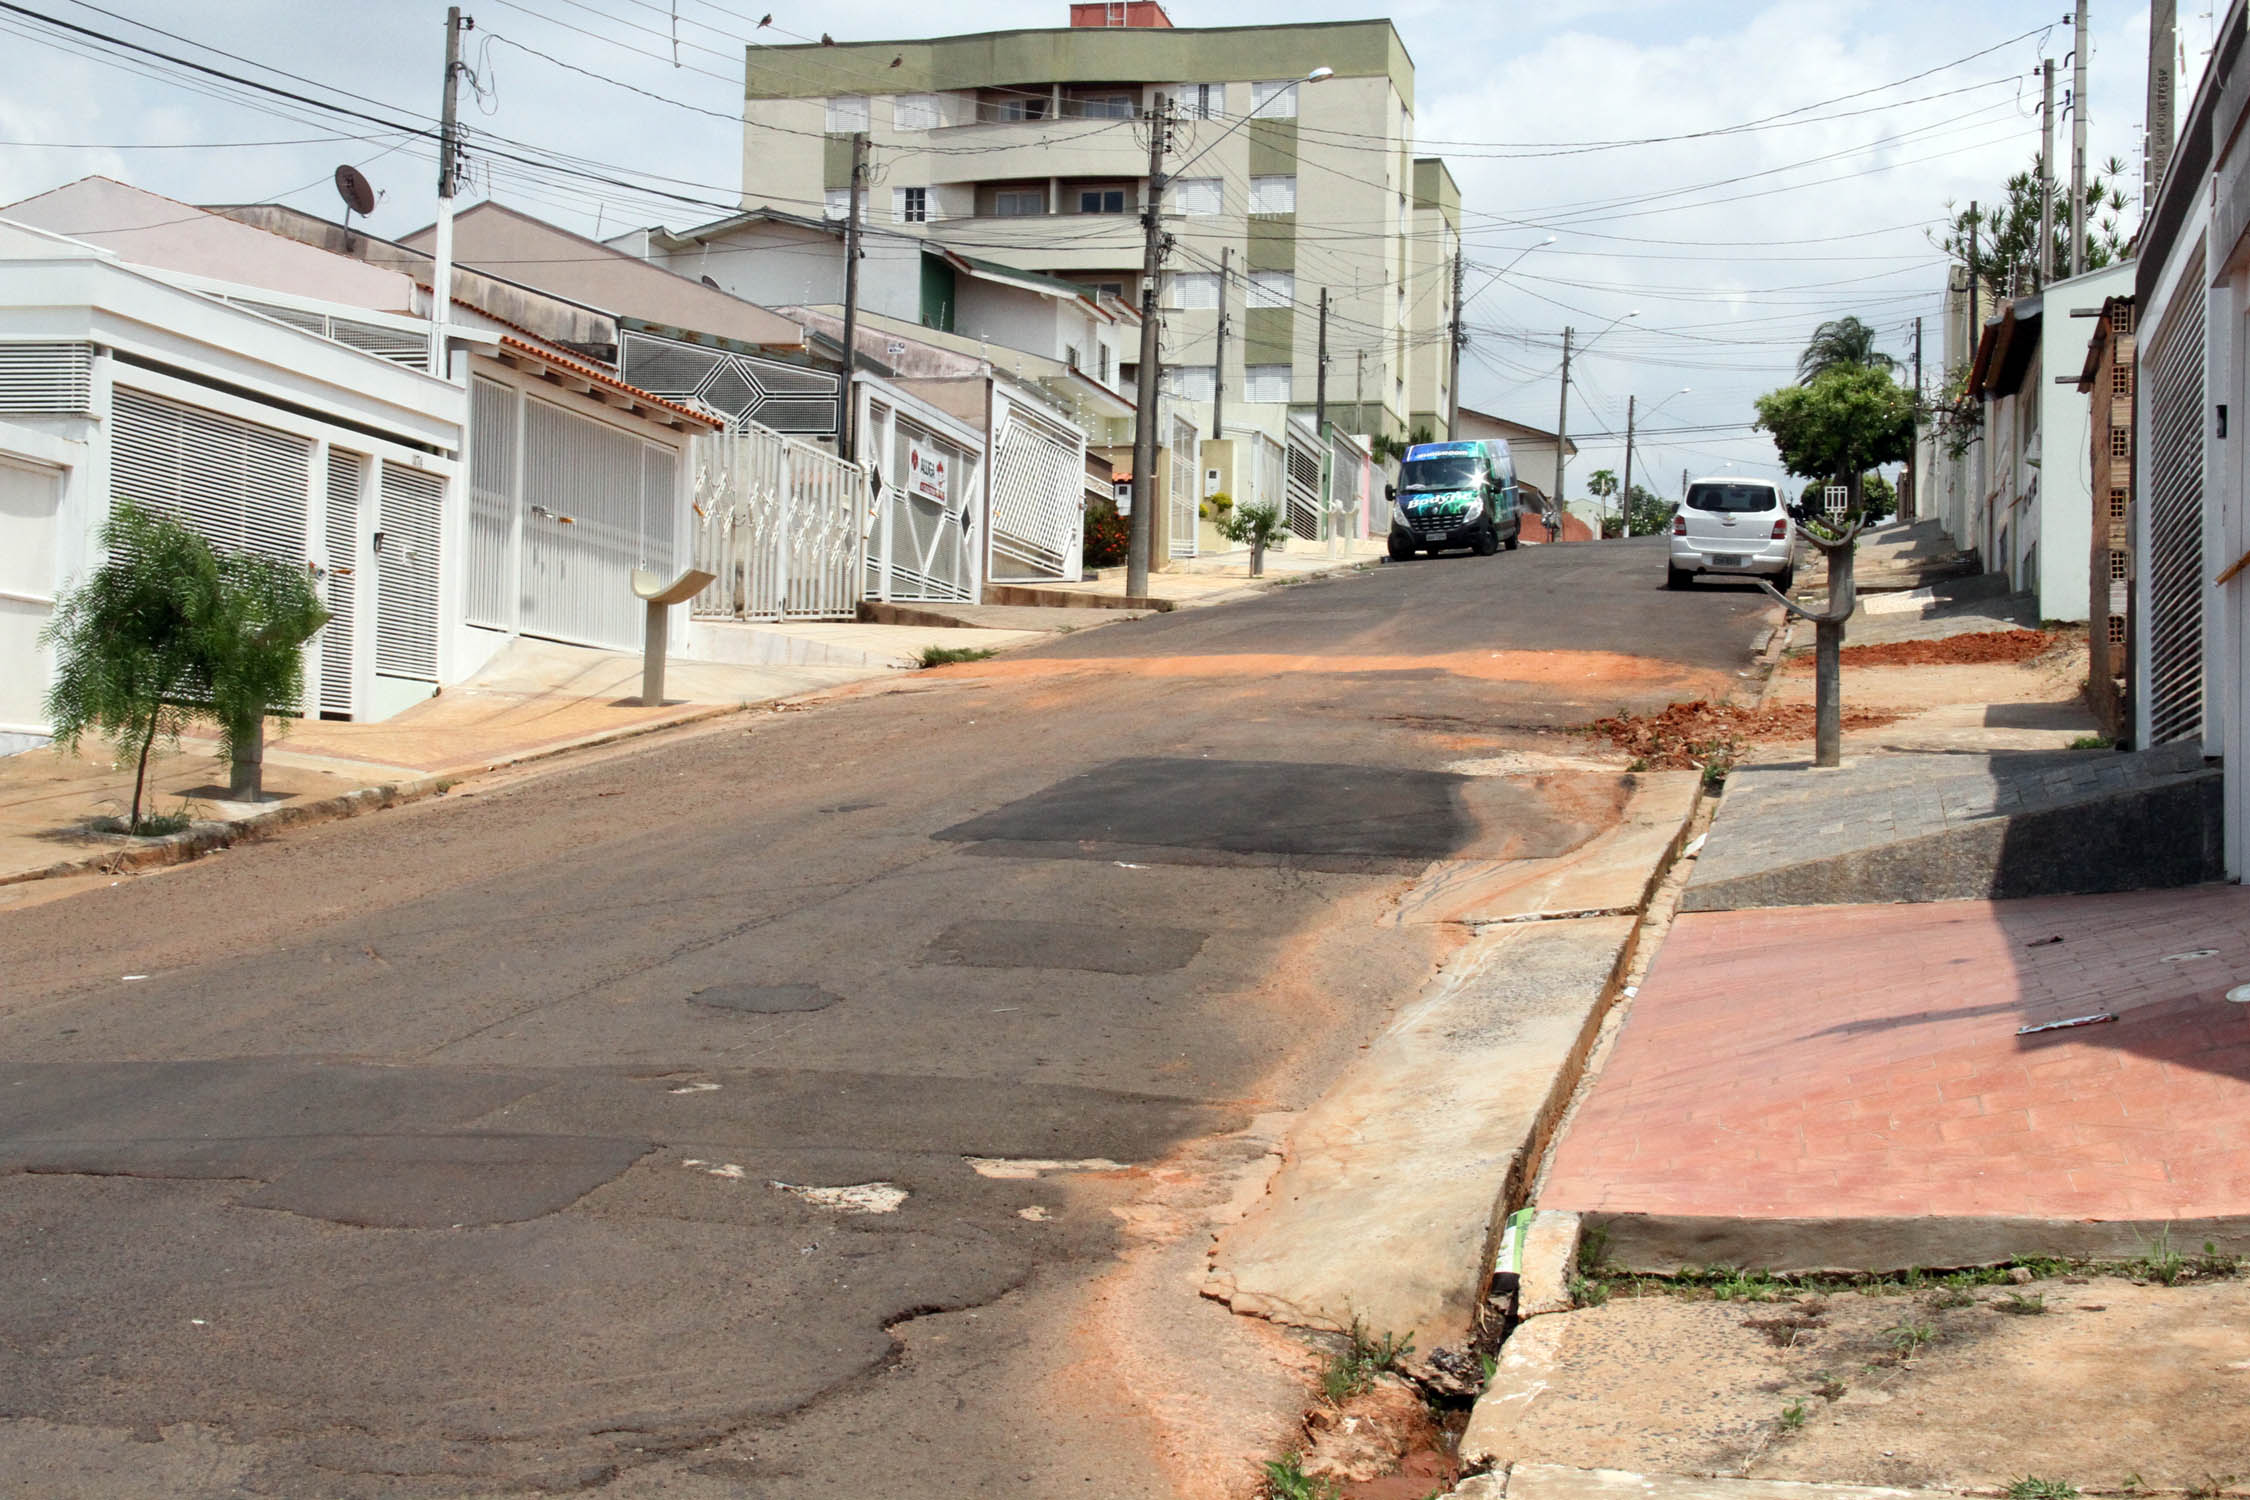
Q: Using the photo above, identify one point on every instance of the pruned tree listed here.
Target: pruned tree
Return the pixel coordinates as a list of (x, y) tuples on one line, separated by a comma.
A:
[(254, 628), (1256, 527)]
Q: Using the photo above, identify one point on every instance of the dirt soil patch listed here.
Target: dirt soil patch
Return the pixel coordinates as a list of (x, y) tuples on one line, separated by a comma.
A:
[(1686, 736), (1985, 648), (2102, 1382)]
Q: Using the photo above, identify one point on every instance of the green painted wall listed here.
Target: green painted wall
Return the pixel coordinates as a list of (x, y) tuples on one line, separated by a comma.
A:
[(836, 161), (938, 294), (1273, 242), (1269, 335), (1355, 49), (1273, 147), (1434, 188)]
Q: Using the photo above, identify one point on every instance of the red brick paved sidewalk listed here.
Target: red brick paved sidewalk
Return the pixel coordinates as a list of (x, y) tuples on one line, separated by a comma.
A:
[(1863, 1062)]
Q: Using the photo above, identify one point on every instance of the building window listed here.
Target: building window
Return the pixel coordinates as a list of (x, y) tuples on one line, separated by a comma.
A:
[(1274, 101), (1273, 195), (910, 205), (1019, 203), (1101, 353), (1110, 289), (1272, 289), (1070, 355), (1198, 195), (1202, 101), (1195, 291), (1191, 382), (838, 202), (916, 112), (1101, 200), (847, 113), (1265, 383), (1005, 105), (1102, 107)]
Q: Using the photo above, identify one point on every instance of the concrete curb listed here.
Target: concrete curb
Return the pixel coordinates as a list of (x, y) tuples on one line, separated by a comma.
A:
[(203, 837), (1665, 1244), (1557, 1482)]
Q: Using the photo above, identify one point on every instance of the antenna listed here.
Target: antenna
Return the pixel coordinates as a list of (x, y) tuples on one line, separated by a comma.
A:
[(358, 195)]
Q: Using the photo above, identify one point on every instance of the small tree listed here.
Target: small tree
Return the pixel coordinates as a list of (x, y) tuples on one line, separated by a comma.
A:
[(254, 627), (1258, 527), (1650, 512), (128, 662), (1847, 421)]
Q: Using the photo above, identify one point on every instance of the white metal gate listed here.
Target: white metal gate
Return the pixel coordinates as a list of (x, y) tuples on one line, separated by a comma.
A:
[(1185, 491), (1303, 482), (779, 524), (1268, 470), (339, 583), (2174, 586), (406, 573), (562, 509), (1038, 493), (926, 485)]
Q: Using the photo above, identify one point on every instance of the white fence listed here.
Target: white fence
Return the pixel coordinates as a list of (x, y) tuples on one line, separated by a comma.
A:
[(1038, 492), (782, 526)]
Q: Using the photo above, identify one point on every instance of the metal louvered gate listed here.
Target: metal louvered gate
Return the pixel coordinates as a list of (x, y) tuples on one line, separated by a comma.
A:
[(2174, 578), (779, 524), (339, 583), (1038, 492), (406, 574), (1303, 483), (918, 535), (1185, 492)]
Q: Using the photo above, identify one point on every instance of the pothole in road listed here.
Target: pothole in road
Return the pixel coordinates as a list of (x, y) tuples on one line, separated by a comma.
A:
[(765, 999)]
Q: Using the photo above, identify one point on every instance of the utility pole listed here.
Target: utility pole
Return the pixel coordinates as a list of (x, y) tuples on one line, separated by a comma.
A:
[(1625, 500), (1976, 320), (2046, 173), (1453, 380), (1320, 374), (1144, 418), (1914, 464), (2156, 148), (2078, 142), (848, 446), (1562, 427), (1219, 358), (449, 147)]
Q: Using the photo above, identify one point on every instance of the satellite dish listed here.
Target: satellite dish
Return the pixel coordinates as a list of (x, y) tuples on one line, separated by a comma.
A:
[(354, 189), (713, 285)]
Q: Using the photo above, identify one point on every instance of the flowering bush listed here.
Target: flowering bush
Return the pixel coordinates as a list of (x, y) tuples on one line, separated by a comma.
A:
[(1107, 534)]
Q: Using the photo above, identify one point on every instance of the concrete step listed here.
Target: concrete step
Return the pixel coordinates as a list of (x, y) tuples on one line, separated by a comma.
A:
[(1067, 598), (1937, 827)]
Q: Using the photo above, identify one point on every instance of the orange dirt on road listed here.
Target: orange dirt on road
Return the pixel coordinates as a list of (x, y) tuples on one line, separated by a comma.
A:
[(1985, 648), (1685, 735)]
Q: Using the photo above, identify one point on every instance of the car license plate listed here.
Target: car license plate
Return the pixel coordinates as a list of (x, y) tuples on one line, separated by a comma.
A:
[(1726, 560)]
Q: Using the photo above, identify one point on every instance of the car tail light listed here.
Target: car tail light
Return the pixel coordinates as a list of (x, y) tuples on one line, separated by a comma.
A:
[(1780, 529), (1679, 526)]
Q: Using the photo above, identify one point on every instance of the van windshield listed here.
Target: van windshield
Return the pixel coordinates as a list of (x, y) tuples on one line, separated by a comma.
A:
[(1730, 497), (1442, 471)]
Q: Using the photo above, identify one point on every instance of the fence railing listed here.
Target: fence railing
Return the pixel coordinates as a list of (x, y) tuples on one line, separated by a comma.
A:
[(780, 525)]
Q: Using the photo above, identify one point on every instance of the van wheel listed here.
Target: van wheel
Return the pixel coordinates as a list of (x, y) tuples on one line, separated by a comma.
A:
[(1677, 578), (1401, 549), (1515, 537), (1488, 540)]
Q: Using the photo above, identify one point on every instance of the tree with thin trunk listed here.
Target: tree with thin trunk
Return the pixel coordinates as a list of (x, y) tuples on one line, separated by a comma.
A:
[(253, 629), (128, 659), (1847, 421)]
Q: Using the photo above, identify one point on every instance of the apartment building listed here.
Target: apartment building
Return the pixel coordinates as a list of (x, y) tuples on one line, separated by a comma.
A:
[(1291, 173)]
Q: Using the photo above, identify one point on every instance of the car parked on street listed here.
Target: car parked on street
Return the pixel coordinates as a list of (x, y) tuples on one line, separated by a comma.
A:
[(1455, 495), (1733, 526)]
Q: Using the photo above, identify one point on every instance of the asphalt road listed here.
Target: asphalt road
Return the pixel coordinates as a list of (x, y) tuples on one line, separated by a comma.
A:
[(482, 1147)]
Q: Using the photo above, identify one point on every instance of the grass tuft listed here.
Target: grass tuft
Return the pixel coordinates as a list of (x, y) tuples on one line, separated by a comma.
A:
[(2031, 1487), (1352, 1369), (1286, 1479), (946, 656), (2022, 1304), (1909, 1338)]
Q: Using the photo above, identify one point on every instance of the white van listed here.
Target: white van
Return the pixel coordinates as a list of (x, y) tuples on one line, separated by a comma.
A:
[(1738, 526)]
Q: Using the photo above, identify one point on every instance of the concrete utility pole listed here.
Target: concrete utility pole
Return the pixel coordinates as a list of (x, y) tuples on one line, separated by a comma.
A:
[(1562, 427), (1453, 380), (1219, 355), (1625, 495), (2046, 172), (449, 147), (2078, 142), (2163, 59), (1914, 463), (1144, 417), (849, 434), (1976, 322), (1320, 374)]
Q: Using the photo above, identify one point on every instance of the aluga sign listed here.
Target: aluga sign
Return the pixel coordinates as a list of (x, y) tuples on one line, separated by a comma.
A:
[(925, 472)]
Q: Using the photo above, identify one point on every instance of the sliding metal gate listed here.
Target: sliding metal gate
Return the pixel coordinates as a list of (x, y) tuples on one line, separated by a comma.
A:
[(1038, 492), (780, 524), (1303, 482)]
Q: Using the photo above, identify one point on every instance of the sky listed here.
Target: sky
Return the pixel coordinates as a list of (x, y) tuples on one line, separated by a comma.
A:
[(1729, 248)]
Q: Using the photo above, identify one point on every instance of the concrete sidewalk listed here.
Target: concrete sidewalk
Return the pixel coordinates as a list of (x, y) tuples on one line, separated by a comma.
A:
[(536, 699)]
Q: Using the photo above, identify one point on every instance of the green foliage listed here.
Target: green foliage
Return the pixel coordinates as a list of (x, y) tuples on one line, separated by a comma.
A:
[(1793, 1416), (1352, 1369), (1108, 534), (945, 656), (1215, 507), (1254, 526), (1648, 511), (168, 627), (128, 663), (2007, 234), (2022, 1304), (2031, 1488), (1587, 1292), (2092, 742), (1878, 499), (1286, 1479), (1909, 1337), (1847, 421), (1602, 483), (2162, 1261), (1841, 343)]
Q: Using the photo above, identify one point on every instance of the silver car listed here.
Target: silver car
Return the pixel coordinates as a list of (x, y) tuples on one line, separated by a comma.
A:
[(1733, 526)]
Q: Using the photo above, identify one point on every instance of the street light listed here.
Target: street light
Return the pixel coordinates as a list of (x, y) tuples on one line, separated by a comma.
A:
[(1317, 75), (1625, 505), (1562, 411)]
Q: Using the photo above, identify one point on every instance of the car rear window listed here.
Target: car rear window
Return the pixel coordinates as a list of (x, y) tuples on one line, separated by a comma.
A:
[(1732, 497)]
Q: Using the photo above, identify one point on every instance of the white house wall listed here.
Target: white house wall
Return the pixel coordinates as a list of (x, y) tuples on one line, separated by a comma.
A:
[(2066, 493)]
